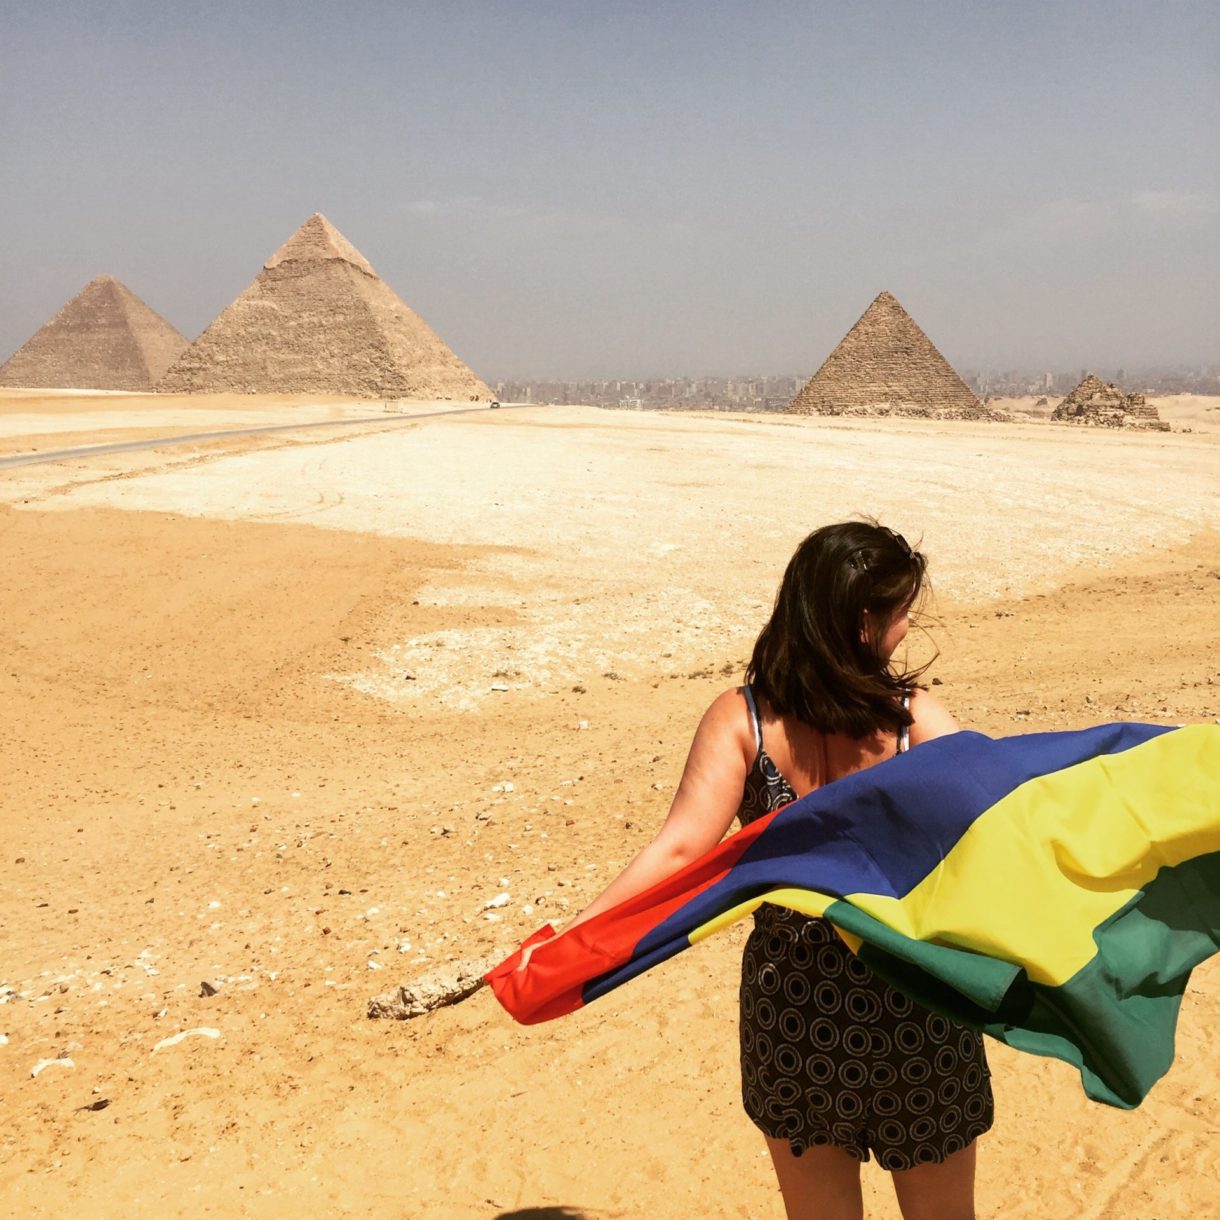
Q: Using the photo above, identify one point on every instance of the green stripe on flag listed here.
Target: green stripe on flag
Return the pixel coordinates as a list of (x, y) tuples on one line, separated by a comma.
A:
[(1114, 1020)]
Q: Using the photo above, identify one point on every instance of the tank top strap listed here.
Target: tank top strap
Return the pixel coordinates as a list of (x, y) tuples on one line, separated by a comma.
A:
[(752, 708), (904, 734)]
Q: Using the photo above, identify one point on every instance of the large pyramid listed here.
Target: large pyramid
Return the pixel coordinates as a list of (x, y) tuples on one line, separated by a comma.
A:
[(886, 365), (319, 320), (104, 338)]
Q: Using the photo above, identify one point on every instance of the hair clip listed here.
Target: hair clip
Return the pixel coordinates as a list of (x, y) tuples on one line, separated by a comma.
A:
[(855, 559)]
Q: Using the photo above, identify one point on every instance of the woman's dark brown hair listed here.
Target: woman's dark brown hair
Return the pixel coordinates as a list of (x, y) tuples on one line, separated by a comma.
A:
[(817, 658)]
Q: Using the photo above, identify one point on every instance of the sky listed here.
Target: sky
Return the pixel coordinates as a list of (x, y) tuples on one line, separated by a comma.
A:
[(670, 188)]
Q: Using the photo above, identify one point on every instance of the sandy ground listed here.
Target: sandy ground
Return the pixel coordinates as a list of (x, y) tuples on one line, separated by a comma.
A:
[(283, 714)]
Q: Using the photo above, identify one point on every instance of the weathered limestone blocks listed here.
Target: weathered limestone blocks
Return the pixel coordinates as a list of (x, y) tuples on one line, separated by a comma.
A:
[(104, 338), (319, 320), (886, 365), (1099, 404)]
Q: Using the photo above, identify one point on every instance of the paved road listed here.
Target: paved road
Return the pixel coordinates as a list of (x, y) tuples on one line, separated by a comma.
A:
[(64, 455)]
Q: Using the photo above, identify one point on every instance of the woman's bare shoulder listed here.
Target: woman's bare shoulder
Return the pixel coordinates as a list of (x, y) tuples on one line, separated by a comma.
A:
[(728, 712), (726, 723), (930, 717)]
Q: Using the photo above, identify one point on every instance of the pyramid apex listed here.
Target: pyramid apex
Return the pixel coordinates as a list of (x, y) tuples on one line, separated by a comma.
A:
[(888, 300), (315, 241), (104, 285)]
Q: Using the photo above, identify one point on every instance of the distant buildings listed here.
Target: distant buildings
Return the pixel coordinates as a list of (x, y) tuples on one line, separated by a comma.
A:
[(775, 393), (670, 393), (1014, 383)]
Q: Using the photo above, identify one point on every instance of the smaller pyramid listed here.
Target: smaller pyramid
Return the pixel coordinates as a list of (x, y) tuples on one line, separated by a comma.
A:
[(104, 338), (1101, 404), (886, 365), (319, 320)]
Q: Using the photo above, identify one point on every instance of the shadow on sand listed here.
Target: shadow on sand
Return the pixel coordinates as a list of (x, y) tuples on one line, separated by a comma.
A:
[(543, 1213)]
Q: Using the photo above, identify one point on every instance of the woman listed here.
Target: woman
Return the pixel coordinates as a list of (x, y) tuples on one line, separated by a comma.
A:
[(835, 1063)]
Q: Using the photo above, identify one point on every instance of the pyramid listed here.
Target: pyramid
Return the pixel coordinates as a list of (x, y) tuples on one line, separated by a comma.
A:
[(319, 320), (1103, 405), (104, 338), (886, 365)]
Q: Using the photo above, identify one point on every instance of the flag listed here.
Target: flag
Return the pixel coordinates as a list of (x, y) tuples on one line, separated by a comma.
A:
[(1053, 890)]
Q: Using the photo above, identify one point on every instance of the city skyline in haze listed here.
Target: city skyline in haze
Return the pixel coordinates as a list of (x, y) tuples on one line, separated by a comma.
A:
[(639, 190)]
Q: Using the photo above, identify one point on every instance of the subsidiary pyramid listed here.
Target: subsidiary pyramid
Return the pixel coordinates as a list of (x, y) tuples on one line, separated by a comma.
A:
[(886, 365), (1103, 405), (319, 320), (104, 338)]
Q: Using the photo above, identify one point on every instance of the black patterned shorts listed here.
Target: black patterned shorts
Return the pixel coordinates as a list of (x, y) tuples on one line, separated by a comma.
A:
[(831, 1054)]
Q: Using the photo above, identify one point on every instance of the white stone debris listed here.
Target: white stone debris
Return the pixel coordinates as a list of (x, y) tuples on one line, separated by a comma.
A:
[(42, 1064), (202, 1032)]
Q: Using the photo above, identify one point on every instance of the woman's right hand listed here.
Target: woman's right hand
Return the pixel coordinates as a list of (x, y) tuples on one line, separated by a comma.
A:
[(526, 954)]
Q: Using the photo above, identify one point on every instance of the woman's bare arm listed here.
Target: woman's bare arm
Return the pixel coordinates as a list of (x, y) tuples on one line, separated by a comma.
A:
[(703, 807)]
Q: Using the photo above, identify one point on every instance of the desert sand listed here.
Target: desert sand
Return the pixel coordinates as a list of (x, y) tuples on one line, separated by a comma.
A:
[(283, 714)]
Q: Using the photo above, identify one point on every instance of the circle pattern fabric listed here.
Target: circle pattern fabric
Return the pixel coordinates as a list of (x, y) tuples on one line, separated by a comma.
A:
[(832, 1054), (843, 1058)]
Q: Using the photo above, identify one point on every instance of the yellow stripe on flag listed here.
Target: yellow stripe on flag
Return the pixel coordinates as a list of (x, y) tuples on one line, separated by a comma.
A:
[(808, 902), (1039, 870)]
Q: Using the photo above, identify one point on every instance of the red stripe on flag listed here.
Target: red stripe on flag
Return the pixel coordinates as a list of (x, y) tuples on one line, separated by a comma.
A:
[(553, 981)]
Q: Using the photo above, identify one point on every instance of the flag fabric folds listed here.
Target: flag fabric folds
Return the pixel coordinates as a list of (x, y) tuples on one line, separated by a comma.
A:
[(1054, 890)]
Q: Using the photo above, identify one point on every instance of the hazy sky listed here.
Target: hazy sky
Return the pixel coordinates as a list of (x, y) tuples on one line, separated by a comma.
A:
[(599, 189)]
